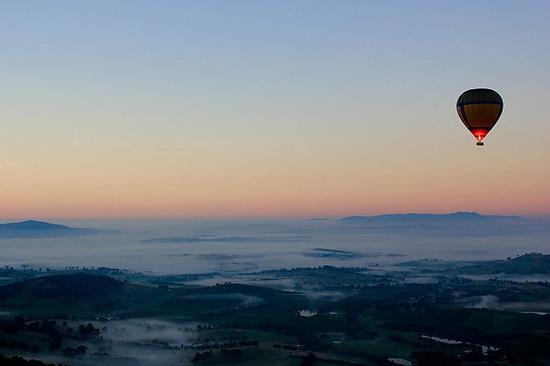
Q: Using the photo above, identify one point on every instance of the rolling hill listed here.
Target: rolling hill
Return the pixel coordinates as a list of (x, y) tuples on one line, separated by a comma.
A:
[(95, 296), (40, 229), (531, 263)]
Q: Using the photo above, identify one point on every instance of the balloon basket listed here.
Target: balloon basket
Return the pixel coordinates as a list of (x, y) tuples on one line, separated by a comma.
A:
[(480, 143)]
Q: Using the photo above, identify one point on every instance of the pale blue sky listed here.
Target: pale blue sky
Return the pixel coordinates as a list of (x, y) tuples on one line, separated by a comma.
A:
[(294, 100)]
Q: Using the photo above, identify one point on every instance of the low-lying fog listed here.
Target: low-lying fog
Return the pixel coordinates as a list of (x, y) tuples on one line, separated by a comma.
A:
[(188, 246), (133, 342)]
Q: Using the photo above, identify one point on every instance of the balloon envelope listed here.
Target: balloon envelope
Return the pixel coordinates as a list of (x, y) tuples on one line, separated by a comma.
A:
[(479, 109)]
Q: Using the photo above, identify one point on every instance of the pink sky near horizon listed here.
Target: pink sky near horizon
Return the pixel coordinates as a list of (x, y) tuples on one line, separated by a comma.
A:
[(305, 189)]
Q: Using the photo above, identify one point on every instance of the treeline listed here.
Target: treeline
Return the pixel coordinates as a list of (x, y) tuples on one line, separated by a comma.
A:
[(20, 361), (55, 332), (51, 328), (14, 274)]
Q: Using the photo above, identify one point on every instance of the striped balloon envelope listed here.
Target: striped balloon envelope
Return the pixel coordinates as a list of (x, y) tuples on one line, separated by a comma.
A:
[(479, 109)]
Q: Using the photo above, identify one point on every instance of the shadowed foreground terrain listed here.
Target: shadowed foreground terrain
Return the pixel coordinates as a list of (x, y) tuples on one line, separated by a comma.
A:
[(423, 313)]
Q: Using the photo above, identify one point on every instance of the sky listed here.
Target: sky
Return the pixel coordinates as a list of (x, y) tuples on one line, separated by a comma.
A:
[(269, 108)]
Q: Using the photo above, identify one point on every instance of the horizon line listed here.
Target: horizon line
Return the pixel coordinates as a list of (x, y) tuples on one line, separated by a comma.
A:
[(258, 218)]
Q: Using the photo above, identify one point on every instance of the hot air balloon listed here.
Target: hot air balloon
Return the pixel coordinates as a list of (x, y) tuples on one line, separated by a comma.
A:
[(480, 110)]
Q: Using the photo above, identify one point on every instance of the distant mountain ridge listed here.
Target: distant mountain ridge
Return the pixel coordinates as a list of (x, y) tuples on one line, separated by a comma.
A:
[(425, 217), (40, 229)]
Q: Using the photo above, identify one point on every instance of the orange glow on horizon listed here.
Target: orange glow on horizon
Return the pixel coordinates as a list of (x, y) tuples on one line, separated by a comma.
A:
[(265, 182)]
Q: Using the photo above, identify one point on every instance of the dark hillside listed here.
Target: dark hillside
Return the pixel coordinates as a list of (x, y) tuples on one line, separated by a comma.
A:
[(78, 285), (532, 263)]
